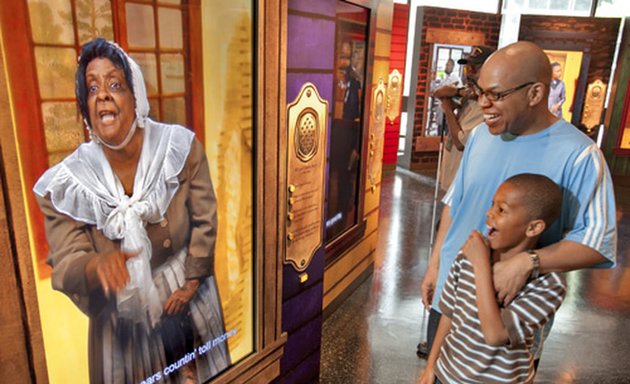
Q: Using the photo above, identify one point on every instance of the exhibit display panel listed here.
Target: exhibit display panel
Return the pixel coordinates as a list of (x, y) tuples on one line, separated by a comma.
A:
[(214, 314)]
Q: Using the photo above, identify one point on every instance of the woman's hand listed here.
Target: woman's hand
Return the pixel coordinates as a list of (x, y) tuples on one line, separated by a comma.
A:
[(180, 298), (109, 270), (477, 249)]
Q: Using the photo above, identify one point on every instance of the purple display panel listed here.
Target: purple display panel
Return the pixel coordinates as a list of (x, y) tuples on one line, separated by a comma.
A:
[(291, 285), (323, 82), (306, 372), (302, 343), (310, 58), (310, 43), (321, 8), (302, 308)]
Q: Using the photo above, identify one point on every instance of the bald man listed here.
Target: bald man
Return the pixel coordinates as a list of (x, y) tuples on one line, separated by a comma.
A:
[(520, 135)]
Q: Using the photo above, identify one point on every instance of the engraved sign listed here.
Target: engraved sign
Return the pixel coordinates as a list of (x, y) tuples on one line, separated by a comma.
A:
[(307, 119), (594, 104), (377, 126), (394, 92), (307, 135)]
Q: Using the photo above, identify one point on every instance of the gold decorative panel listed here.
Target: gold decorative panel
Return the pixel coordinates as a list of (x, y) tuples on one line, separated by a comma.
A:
[(307, 135), (307, 121), (377, 128), (594, 104), (228, 95), (394, 92)]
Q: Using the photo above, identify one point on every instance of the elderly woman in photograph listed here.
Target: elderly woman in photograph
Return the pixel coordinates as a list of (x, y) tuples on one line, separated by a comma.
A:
[(131, 226)]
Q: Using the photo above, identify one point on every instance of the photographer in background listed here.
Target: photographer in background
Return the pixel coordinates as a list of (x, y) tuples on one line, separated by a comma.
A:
[(451, 79)]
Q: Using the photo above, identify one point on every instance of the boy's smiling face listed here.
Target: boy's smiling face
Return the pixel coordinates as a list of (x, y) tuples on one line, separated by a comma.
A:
[(507, 219)]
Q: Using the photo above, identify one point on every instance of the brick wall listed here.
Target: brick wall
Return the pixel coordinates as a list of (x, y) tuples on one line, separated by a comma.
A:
[(487, 24), (397, 61)]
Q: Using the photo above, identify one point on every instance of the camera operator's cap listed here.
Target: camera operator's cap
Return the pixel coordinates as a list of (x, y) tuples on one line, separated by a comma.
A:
[(477, 56)]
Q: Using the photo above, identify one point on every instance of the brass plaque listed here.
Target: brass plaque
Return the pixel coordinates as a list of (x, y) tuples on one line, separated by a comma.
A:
[(307, 121), (594, 104), (394, 92), (377, 129)]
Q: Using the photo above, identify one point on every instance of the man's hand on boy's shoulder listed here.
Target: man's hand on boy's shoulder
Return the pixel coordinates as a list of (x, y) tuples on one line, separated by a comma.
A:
[(477, 249)]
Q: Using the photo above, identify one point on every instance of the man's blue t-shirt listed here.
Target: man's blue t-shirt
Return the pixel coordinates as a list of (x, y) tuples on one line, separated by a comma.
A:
[(560, 152)]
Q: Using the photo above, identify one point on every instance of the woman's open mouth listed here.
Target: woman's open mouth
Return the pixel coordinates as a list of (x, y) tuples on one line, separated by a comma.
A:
[(107, 117)]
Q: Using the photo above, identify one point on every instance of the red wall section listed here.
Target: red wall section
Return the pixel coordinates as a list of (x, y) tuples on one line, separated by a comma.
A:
[(398, 51)]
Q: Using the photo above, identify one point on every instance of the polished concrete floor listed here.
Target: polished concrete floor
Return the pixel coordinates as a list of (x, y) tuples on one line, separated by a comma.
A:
[(372, 337)]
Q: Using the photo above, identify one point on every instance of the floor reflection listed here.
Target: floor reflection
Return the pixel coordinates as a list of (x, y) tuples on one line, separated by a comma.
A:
[(373, 336)]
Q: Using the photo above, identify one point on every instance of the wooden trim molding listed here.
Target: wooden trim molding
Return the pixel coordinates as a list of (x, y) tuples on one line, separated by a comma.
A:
[(20, 269), (15, 21), (192, 13), (271, 186)]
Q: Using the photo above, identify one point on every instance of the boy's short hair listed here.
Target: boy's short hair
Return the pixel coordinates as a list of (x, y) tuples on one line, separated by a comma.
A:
[(541, 197), (555, 64)]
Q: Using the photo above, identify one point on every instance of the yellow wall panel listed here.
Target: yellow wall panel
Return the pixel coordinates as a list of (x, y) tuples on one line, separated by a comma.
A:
[(385, 10), (372, 222), (372, 199), (383, 41), (331, 295), (381, 69), (342, 267)]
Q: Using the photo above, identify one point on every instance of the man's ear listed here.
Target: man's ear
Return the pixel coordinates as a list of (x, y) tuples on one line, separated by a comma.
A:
[(536, 94), (535, 228)]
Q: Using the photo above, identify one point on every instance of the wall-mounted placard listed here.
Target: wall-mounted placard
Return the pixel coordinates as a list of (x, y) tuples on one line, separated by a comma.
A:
[(307, 118)]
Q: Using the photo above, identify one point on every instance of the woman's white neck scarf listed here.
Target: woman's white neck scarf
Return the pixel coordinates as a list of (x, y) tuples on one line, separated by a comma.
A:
[(84, 187)]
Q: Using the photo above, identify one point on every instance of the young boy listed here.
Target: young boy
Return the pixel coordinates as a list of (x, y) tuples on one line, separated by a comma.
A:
[(478, 341)]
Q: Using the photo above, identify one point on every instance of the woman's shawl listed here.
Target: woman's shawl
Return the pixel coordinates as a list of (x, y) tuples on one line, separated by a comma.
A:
[(84, 187)]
